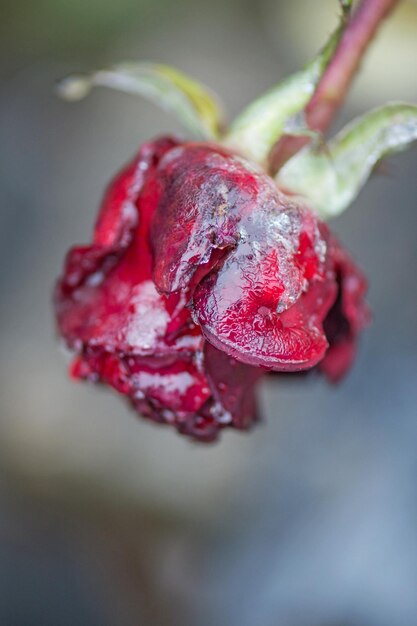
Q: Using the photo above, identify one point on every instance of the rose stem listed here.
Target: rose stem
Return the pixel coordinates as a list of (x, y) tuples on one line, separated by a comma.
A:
[(338, 76)]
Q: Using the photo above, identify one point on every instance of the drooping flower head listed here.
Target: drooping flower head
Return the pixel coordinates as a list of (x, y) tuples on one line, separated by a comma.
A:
[(201, 276), (211, 263)]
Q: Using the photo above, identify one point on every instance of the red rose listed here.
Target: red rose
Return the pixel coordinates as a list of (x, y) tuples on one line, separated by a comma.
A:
[(201, 276)]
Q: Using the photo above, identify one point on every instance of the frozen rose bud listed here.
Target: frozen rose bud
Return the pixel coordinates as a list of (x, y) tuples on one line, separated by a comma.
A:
[(206, 270), (129, 336), (201, 276)]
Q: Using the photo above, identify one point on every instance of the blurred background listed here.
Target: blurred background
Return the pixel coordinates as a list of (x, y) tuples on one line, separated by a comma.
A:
[(107, 520)]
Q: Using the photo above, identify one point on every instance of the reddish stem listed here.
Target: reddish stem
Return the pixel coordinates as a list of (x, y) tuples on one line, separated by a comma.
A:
[(341, 70), (337, 78)]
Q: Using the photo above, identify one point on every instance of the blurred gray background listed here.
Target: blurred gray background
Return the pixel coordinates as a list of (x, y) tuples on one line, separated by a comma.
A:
[(107, 520)]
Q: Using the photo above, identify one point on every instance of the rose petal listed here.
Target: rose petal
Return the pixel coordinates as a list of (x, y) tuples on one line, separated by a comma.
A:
[(348, 316), (118, 212), (106, 297), (266, 304), (233, 386), (204, 192)]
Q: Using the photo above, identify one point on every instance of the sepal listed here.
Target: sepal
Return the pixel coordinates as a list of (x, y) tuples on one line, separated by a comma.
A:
[(331, 175), (192, 103)]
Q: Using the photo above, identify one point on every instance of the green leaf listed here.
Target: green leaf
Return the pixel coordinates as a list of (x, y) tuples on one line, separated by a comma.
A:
[(192, 103), (331, 176), (255, 131)]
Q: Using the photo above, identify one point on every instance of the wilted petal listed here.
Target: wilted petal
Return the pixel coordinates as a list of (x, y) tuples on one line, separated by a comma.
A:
[(105, 296), (348, 316), (265, 305), (202, 193), (233, 385)]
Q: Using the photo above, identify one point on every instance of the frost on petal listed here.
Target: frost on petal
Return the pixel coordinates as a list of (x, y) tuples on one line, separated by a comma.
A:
[(203, 194), (198, 394), (105, 296), (266, 304), (170, 389)]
